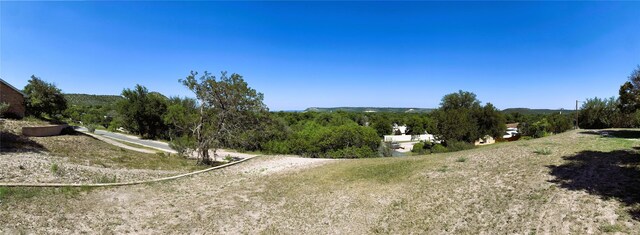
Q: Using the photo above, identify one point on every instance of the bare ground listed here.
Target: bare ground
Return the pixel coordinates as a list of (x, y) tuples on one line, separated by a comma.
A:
[(158, 208), (41, 167), (78, 158), (579, 184)]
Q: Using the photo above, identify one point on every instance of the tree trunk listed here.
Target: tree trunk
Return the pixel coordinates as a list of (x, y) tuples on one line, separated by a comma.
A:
[(204, 152)]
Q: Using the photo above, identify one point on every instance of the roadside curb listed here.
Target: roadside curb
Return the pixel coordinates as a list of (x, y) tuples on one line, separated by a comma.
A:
[(54, 185)]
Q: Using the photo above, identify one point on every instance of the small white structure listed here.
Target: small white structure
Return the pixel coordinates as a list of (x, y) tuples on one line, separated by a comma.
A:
[(401, 129), (406, 138)]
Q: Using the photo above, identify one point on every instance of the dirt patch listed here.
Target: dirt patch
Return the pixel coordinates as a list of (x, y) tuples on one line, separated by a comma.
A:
[(281, 164), (159, 208), (505, 188), (32, 167)]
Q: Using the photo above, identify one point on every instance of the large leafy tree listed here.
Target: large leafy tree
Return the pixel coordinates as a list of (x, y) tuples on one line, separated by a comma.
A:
[(462, 118), (227, 107), (491, 121), (630, 93), (598, 113), (382, 124), (142, 112), (44, 98)]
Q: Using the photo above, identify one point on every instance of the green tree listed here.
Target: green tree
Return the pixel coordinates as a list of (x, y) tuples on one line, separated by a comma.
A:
[(459, 100), (559, 123), (491, 121), (227, 107), (44, 98), (141, 112), (455, 117), (382, 125), (462, 118), (419, 124), (598, 113), (181, 118), (630, 93), (456, 124)]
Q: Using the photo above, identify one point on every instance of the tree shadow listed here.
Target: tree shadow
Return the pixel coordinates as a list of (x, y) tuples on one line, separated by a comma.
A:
[(610, 175), (11, 143)]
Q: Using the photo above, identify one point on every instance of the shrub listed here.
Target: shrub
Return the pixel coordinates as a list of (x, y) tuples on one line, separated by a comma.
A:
[(183, 145), (418, 147), (461, 159), (279, 147), (105, 179), (351, 152), (54, 168), (543, 151), (453, 146), (314, 140), (91, 128), (384, 150), (422, 147), (4, 107), (229, 158), (438, 148)]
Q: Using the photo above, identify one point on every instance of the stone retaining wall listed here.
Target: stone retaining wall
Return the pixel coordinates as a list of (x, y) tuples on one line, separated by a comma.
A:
[(40, 131)]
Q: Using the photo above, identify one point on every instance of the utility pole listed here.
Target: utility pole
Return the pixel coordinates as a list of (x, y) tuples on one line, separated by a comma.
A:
[(576, 127)]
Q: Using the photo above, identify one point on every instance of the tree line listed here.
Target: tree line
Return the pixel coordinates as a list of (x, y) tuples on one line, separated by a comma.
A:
[(227, 113), (614, 112)]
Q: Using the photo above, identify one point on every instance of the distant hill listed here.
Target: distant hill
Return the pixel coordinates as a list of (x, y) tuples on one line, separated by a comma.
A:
[(86, 99), (536, 111), (370, 110), (426, 110)]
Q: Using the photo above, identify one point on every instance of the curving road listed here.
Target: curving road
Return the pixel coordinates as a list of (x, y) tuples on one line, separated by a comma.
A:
[(131, 139)]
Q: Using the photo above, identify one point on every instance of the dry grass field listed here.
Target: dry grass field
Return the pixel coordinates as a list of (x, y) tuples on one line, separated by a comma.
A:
[(572, 183), (75, 157)]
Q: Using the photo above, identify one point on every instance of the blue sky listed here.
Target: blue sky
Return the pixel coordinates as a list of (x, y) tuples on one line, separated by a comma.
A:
[(328, 54)]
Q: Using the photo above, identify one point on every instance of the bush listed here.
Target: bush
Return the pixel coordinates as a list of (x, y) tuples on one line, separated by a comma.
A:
[(315, 140), (91, 128), (438, 148), (543, 151), (278, 147), (384, 149), (453, 146), (4, 107), (183, 145), (598, 113), (422, 147), (418, 147), (351, 152)]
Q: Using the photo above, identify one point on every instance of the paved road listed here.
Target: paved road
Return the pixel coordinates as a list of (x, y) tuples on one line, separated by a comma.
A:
[(133, 139), (160, 145)]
